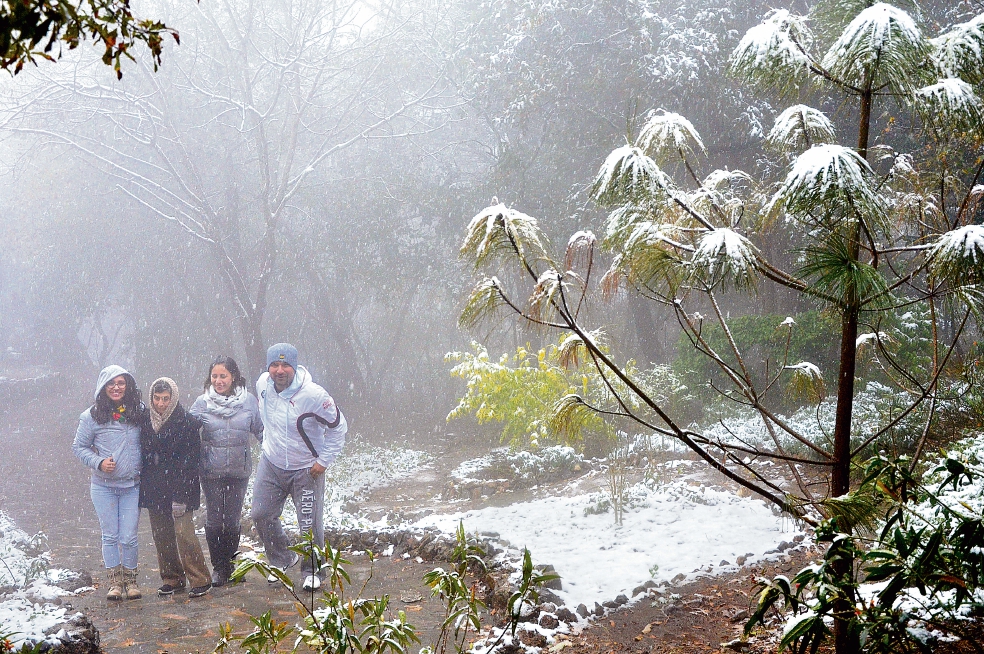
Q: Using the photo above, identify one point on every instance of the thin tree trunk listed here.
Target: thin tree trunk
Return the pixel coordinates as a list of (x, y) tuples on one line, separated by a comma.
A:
[(840, 479)]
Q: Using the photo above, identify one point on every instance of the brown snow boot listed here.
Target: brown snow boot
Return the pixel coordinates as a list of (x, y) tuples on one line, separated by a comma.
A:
[(115, 592), (130, 587)]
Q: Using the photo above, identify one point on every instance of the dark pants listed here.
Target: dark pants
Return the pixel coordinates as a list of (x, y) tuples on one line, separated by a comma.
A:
[(224, 507), (179, 554), (270, 490)]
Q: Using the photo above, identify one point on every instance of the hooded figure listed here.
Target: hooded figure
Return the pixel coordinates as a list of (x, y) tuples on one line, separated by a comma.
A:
[(170, 489), (108, 441)]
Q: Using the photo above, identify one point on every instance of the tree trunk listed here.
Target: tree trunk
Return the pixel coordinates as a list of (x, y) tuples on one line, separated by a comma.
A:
[(840, 478)]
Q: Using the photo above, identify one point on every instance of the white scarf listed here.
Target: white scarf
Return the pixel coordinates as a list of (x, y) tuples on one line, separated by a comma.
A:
[(224, 406), (157, 420)]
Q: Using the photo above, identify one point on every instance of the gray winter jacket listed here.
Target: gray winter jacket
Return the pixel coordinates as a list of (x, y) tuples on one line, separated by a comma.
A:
[(121, 440), (225, 440)]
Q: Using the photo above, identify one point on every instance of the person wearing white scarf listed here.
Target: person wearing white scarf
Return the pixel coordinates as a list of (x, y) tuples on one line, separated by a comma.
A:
[(230, 414), (170, 490)]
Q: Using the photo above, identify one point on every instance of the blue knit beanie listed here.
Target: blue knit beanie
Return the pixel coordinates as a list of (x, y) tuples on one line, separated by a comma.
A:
[(284, 352)]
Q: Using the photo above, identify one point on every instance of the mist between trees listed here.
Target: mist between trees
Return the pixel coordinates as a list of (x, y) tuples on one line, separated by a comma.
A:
[(301, 170)]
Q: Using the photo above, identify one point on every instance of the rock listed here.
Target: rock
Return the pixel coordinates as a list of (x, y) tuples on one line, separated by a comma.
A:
[(741, 560), (783, 546), (489, 534), (582, 610), (532, 639), (723, 563), (553, 584), (564, 614), (739, 615), (737, 645), (677, 579), (610, 604), (650, 584), (798, 538), (79, 579), (638, 590), (546, 595), (670, 609), (621, 600), (77, 636), (548, 621), (548, 607), (599, 610), (511, 648)]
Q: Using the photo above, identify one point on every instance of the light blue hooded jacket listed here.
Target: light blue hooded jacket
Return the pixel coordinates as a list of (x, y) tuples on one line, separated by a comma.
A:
[(94, 442)]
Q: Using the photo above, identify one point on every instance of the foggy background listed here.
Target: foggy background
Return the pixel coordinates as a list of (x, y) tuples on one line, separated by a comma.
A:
[(303, 170)]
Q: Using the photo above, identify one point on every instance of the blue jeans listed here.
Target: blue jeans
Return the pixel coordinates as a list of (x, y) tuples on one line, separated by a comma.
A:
[(118, 515)]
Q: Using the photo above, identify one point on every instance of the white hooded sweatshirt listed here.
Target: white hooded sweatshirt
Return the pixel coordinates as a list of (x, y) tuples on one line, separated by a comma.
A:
[(282, 443)]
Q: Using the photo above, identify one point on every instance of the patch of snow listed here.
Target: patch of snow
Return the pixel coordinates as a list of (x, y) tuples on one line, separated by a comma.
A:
[(964, 244), (806, 368), (722, 250), (676, 527), (952, 99), (824, 170)]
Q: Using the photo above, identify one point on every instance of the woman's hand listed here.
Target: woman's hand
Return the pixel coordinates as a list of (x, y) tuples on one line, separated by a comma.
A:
[(107, 465)]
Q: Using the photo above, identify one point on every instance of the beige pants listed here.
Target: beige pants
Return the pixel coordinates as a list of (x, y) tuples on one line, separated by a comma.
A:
[(179, 554)]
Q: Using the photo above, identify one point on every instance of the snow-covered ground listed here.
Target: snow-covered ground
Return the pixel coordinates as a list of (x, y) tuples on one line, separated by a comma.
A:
[(674, 529), (361, 468), (27, 588)]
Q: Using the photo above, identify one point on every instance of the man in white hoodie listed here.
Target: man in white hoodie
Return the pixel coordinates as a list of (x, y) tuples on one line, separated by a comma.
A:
[(303, 432)]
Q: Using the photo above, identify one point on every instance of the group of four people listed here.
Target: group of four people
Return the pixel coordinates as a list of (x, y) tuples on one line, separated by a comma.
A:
[(159, 457)]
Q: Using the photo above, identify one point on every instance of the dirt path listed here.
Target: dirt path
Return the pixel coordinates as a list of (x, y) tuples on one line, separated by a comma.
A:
[(44, 488)]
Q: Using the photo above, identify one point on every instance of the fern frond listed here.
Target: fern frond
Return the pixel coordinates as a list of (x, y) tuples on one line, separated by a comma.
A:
[(571, 416)]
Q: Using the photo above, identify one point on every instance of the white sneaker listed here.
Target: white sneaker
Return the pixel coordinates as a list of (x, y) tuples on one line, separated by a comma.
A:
[(273, 578), (311, 582)]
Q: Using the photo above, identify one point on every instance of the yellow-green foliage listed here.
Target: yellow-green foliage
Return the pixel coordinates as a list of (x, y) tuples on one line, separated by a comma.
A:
[(519, 391)]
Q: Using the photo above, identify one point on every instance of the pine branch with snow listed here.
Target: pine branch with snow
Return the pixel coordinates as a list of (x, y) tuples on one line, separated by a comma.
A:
[(667, 136), (628, 174), (773, 54), (499, 231), (881, 47), (958, 255), (725, 256), (799, 128), (951, 105), (960, 51), (829, 179), (485, 300)]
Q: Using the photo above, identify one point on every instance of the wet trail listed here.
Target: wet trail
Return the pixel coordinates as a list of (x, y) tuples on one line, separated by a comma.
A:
[(43, 487)]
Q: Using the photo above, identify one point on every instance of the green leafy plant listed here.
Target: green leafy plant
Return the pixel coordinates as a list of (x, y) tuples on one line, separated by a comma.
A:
[(927, 557), (334, 623), (462, 606)]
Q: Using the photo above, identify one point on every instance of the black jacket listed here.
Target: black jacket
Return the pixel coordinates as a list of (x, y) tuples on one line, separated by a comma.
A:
[(171, 463)]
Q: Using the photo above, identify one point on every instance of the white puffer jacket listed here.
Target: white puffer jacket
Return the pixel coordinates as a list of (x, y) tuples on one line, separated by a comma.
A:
[(282, 443)]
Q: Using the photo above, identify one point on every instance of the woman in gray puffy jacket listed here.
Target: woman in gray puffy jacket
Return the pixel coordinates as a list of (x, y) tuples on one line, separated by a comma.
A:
[(229, 415), (108, 441)]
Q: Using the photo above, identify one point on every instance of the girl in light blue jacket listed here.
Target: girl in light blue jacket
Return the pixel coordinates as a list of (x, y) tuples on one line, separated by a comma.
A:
[(229, 415), (108, 441)]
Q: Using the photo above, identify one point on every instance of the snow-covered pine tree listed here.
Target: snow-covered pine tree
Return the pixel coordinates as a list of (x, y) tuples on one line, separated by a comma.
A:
[(884, 214)]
